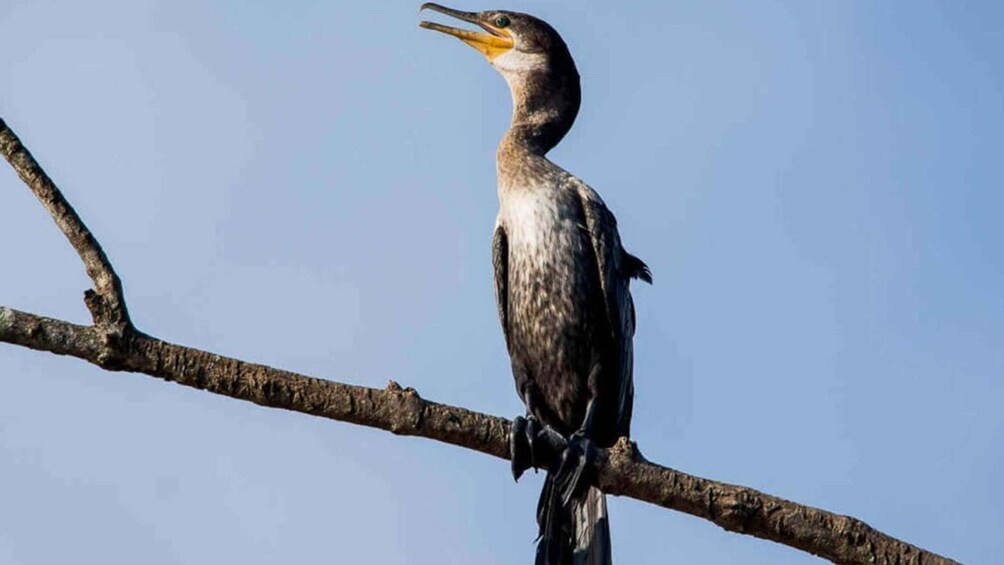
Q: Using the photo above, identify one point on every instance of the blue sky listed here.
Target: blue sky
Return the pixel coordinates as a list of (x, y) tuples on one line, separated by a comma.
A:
[(816, 186)]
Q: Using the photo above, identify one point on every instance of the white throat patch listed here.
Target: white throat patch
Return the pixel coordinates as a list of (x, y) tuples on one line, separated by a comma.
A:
[(516, 62)]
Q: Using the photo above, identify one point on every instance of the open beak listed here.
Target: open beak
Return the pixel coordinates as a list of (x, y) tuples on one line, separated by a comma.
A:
[(492, 44)]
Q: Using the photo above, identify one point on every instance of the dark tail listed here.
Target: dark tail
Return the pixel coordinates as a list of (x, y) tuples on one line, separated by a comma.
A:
[(576, 534)]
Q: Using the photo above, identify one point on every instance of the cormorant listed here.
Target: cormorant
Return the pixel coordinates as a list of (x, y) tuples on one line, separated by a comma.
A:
[(561, 285)]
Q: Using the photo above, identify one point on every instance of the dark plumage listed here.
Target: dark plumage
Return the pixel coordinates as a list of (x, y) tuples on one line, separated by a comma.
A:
[(561, 275)]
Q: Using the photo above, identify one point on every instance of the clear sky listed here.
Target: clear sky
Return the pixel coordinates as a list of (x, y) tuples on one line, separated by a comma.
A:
[(817, 187)]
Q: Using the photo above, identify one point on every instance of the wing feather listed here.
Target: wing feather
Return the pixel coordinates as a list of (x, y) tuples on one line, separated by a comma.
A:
[(616, 267), (500, 264)]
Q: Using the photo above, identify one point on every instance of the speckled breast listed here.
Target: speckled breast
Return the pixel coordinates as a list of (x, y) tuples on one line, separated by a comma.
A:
[(554, 294)]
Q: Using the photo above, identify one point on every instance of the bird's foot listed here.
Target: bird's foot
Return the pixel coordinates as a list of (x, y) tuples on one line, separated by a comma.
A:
[(532, 444), (575, 473), (519, 447)]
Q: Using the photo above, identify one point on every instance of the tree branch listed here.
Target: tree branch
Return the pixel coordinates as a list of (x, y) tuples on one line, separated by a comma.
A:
[(620, 470), (106, 301)]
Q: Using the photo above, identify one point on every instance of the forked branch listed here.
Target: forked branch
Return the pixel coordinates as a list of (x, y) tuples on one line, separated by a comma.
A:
[(106, 302)]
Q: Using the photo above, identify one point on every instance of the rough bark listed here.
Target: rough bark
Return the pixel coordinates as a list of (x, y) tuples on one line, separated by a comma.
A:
[(113, 344), (106, 301)]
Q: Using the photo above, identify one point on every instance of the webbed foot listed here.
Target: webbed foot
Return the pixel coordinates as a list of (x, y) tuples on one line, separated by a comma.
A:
[(520, 450), (532, 444)]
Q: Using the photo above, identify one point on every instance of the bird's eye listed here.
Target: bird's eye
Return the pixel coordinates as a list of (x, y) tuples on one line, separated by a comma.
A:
[(502, 21)]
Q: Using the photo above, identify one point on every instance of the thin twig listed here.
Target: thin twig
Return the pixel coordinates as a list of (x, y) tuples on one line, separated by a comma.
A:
[(106, 302)]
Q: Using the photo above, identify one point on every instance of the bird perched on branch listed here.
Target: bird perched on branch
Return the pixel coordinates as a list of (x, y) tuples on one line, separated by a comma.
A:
[(561, 284)]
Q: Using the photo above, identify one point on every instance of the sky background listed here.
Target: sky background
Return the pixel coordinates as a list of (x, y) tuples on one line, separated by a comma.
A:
[(817, 187)]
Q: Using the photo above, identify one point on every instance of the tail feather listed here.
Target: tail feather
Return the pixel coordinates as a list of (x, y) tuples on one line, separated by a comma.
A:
[(577, 534), (636, 268), (592, 530)]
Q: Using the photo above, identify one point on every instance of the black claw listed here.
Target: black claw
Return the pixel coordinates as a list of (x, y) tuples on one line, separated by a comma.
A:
[(519, 447)]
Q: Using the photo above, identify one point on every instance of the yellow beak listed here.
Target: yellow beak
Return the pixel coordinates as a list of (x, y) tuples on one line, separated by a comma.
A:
[(492, 44)]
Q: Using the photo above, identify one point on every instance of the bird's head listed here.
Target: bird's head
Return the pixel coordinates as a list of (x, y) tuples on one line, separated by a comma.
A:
[(535, 62), (514, 43)]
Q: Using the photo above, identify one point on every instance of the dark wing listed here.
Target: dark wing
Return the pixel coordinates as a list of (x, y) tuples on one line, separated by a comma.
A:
[(602, 229), (616, 268), (500, 263)]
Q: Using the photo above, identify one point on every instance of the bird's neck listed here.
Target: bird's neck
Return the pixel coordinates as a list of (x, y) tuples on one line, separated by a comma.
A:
[(545, 103)]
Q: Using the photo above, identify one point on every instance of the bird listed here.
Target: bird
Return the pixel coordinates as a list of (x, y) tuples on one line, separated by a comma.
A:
[(561, 286)]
